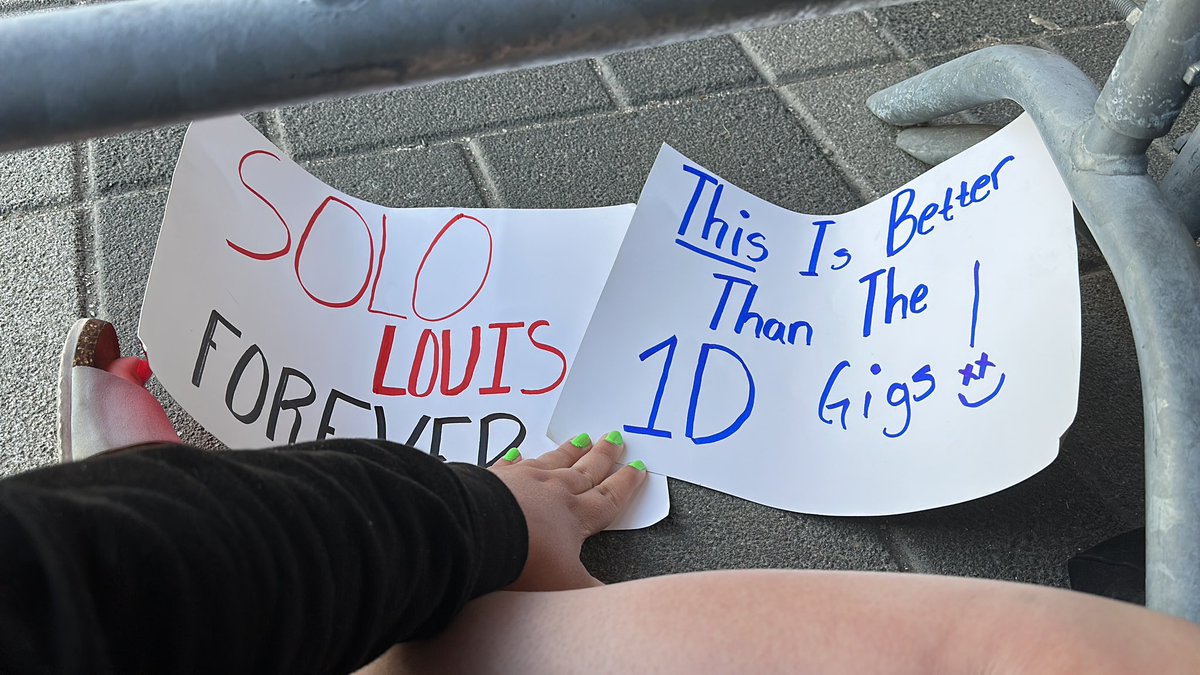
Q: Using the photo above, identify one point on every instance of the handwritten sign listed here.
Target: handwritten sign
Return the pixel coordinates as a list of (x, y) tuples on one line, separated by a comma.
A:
[(916, 352), (281, 310)]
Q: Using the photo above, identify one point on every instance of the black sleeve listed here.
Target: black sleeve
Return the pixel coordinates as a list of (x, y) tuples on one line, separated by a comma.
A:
[(311, 560)]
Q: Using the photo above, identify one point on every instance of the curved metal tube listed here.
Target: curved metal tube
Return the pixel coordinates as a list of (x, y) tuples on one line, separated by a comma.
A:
[(1181, 185), (1055, 93), (1152, 257), (86, 71), (934, 145)]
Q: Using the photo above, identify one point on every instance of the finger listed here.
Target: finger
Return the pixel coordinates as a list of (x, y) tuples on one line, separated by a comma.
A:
[(608, 499), (574, 481), (598, 463), (511, 457), (565, 455)]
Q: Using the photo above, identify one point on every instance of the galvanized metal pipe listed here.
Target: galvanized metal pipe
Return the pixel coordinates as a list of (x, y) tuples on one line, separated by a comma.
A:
[(934, 145), (990, 75), (97, 69), (1181, 185), (1153, 259), (1146, 89)]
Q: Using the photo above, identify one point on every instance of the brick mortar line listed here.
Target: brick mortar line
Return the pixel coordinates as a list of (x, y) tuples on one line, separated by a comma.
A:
[(86, 271), (755, 59), (498, 128), (885, 34), (481, 173), (633, 109), (274, 123), (807, 121), (835, 71), (123, 190), (461, 136), (43, 210), (899, 551), (829, 147), (87, 274), (1040, 40), (80, 163), (452, 136), (612, 84), (91, 216), (82, 203), (90, 191), (759, 65)]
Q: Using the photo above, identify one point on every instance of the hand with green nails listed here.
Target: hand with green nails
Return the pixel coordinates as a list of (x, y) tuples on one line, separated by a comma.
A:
[(567, 495)]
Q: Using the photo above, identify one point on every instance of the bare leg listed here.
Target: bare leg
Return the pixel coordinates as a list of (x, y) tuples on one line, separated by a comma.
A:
[(766, 621)]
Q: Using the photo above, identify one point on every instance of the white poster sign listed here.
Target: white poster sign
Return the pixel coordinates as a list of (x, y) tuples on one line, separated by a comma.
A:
[(919, 351), (281, 310)]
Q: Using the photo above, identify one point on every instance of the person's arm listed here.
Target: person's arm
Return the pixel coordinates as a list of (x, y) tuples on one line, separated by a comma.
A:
[(173, 559)]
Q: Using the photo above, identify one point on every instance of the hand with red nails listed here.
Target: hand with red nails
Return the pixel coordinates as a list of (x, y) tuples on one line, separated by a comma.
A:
[(567, 495)]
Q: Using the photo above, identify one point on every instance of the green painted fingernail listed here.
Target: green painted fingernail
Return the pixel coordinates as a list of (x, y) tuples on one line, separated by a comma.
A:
[(511, 455), (581, 441), (614, 437), (638, 464)]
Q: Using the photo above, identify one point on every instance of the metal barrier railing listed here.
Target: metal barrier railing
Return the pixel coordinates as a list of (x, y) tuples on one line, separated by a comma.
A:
[(1099, 142), (99, 69), (93, 70)]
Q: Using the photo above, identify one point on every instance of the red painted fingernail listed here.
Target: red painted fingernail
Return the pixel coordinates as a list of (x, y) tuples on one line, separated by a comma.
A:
[(142, 370)]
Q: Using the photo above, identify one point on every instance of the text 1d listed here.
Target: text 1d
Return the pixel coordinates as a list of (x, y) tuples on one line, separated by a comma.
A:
[(707, 350)]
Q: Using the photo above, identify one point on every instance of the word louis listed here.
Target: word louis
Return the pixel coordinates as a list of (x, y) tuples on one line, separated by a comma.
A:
[(294, 392), (433, 348)]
